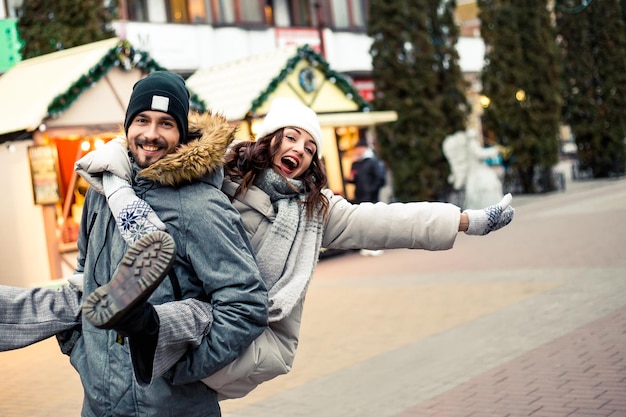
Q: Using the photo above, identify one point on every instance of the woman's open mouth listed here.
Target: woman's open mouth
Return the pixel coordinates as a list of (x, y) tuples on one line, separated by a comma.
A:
[(290, 162)]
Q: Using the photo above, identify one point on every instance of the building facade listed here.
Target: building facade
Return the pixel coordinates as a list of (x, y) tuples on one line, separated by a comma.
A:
[(186, 35)]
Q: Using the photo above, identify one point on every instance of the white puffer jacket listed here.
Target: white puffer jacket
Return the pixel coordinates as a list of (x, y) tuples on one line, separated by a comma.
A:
[(431, 226)]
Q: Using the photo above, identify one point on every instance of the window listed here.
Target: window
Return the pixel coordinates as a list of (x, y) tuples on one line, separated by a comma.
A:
[(252, 11), (359, 11), (137, 10), (13, 8), (223, 11), (338, 14), (231, 12), (177, 11), (197, 11), (301, 13), (349, 14), (187, 11)]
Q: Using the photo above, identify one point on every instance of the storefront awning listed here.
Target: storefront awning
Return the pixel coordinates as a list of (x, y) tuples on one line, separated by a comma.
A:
[(27, 89), (358, 119)]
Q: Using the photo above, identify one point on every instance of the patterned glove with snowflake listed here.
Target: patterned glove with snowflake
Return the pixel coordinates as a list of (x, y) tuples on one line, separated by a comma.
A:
[(134, 217), (491, 218)]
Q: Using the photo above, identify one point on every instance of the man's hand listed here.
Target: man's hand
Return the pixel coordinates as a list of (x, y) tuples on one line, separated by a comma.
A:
[(491, 218)]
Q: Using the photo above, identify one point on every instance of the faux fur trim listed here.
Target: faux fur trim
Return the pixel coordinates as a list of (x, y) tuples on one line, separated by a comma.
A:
[(210, 135)]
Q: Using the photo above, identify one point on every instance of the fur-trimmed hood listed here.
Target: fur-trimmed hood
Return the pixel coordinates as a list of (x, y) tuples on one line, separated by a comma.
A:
[(209, 137)]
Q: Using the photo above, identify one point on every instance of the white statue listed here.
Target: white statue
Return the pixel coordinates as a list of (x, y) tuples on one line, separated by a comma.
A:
[(469, 170)]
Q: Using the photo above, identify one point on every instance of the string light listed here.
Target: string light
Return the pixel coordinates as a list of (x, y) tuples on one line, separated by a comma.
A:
[(98, 143)]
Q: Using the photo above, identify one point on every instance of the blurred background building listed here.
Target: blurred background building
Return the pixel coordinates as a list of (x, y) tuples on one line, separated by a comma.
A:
[(185, 35), (235, 55)]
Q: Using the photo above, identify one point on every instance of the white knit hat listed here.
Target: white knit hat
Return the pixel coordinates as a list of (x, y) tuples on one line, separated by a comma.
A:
[(289, 112)]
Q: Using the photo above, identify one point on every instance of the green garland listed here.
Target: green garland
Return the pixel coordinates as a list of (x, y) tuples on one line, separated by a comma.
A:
[(316, 60), (123, 55)]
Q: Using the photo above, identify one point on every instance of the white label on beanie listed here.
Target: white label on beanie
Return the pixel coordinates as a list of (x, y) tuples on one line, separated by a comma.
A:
[(160, 103)]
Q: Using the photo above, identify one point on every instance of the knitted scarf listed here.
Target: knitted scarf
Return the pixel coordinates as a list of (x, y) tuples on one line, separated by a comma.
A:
[(289, 253)]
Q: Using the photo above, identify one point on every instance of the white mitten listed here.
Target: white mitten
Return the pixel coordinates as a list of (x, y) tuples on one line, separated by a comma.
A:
[(76, 281), (491, 218), (112, 157), (134, 217)]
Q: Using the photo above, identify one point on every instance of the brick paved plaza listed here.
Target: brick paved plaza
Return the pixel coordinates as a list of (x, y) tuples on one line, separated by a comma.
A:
[(528, 321)]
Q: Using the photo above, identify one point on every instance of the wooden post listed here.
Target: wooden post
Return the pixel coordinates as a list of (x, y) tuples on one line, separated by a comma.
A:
[(52, 240), (320, 27)]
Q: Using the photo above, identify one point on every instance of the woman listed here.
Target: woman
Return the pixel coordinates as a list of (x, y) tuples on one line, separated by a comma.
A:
[(278, 185)]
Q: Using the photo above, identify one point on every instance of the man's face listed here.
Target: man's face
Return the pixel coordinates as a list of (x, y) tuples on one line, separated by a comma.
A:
[(358, 152), (152, 135)]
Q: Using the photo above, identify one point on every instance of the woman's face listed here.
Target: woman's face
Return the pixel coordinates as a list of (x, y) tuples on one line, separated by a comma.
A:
[(296, 152)]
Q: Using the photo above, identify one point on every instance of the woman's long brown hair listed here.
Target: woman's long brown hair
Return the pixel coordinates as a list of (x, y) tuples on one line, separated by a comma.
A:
[(248, 158)]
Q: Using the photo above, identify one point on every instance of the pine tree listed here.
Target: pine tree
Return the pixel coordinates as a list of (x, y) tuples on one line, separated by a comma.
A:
[(451, 85), (522, 80), (416, 73), (594, 45), (51, 25)]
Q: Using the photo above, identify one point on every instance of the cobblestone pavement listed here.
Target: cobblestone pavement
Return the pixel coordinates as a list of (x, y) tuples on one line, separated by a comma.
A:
[(527, 321)]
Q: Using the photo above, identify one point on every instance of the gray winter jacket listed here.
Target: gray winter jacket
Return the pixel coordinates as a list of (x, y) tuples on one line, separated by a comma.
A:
[(431, 226), (214, 264)]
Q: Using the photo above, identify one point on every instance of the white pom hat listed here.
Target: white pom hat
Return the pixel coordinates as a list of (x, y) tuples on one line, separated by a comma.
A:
[(289, 112)]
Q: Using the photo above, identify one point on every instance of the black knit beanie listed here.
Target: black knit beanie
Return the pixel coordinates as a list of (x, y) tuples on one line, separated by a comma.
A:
[(161, 91)]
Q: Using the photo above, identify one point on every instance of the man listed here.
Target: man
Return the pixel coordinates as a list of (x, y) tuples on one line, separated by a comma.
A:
[(207, 258), (368, 178), (366, 174)]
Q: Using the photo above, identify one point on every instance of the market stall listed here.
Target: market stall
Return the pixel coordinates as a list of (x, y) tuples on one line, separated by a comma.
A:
[(56, 108), (243, 90)]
